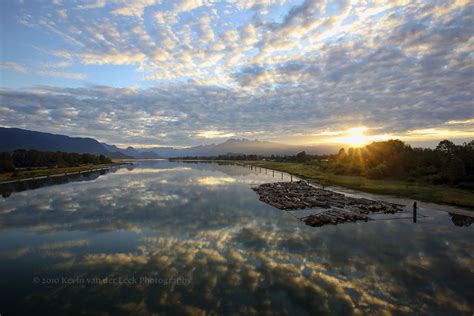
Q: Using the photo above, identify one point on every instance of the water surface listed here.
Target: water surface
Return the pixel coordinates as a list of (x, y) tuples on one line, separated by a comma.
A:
[(180, 238)]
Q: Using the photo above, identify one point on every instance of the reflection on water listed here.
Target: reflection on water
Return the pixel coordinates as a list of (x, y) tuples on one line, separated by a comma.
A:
[(460, 220), (94, 246), (7, 189)]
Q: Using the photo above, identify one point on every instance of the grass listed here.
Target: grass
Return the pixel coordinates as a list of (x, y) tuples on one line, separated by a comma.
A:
[(421, 192), (23, 174)]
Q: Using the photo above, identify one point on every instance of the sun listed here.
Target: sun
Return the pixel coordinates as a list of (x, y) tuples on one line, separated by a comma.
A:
[(354, 136)]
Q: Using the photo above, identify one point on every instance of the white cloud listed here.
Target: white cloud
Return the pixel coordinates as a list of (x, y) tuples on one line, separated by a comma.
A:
[(134, 8), (94, 4), (44, 71), (15, 67), (334, 63), (214, 134), (188, 5), (62, 74)]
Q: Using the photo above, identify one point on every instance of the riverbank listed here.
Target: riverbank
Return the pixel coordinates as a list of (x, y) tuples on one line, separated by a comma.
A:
[(41, 173), (427, 193)]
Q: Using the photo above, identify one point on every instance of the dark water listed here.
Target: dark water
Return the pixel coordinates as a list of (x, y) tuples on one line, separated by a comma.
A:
[(176, 238)]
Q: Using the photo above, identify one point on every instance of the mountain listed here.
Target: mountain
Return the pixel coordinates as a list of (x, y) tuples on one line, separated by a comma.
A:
[(118, 155), (241, 146), (111, 148), (132, 152), (245, 146), (16, 138)]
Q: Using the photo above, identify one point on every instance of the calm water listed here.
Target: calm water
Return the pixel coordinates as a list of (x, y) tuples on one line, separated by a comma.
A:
[(180, 238)]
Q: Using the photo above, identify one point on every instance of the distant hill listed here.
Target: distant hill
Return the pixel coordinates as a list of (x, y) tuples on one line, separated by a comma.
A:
[(118, 155), (132, 152), (245, 146), (16, 138), (111, 148), (241, 146)]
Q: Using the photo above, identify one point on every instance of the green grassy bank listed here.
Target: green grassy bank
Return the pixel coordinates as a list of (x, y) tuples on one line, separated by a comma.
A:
[(33, 173), (415, 191)]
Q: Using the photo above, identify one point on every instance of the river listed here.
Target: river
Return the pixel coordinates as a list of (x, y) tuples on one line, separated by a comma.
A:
[(188, 238)]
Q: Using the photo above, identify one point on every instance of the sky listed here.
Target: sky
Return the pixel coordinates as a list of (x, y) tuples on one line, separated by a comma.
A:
[(186, 72)]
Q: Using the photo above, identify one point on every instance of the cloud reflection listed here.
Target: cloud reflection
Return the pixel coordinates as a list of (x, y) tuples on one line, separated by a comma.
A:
[(211, 181), (242, 255)]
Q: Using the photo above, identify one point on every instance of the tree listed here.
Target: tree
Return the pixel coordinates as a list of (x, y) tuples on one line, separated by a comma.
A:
[(455, 170), (378, 172), (448, 163), (446, 147), (467, 156), (103, 159), (301, 157), (33, 158), (6, 162)]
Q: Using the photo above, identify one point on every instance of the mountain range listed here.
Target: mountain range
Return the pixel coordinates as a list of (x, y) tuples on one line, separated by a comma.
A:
[(241, 146), (15, 138)]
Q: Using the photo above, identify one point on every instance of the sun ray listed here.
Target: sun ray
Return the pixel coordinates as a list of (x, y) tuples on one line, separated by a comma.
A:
[(354, 137)]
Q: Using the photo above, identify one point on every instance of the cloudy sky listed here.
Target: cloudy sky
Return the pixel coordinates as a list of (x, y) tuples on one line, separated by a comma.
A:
[(181, 73)]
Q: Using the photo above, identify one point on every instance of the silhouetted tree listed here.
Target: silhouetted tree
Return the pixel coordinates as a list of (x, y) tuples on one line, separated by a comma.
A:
[(33, 159), (6, 163), (448, 163), (446, 147), (455, 170), (301, 157)]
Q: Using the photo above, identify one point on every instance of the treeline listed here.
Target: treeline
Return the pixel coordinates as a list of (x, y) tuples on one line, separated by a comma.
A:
[(301, 157), (448, 163), (221, 157), (44, 159)]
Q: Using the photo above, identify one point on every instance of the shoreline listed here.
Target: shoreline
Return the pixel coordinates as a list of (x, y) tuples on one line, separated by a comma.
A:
[(37, 174), (420, 192)]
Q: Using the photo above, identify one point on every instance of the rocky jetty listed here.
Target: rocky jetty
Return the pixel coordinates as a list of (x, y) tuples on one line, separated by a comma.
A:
[(340, 208)]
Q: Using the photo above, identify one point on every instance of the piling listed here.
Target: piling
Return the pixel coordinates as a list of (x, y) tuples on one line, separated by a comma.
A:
[(414, 211)]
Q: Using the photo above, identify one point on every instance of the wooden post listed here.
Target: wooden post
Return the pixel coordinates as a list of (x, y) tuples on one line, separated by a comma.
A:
[(291, 178), (273, 173), (414, 212)]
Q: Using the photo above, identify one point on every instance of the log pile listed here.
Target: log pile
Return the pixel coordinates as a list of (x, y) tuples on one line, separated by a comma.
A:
[(301, 195), (340, 208), (334, 217)]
